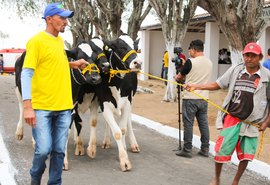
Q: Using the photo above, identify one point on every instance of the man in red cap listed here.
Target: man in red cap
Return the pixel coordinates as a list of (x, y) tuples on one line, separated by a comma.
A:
[(247, 105), (46, 94)]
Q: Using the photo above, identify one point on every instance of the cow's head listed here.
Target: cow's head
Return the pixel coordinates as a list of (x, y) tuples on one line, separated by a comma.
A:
[(124, 48), (91, 74), (99, 56)]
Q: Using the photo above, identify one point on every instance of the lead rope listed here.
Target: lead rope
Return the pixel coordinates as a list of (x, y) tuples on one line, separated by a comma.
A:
[(215, 105), (114, 72)]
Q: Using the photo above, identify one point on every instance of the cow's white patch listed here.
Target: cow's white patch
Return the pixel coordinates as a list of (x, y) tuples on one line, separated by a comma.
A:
[(122, 103), (127, 40), (99, 43), (86, 49), (87, 99), (116, 95)]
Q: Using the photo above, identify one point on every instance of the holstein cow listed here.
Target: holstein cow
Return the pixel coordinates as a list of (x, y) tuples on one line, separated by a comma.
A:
[(101, 65), (114, 97), (91, 52)]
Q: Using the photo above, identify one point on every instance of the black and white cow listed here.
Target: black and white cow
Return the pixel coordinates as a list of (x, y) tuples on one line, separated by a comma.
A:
[(114, 96), (101, 65), (92, 52)]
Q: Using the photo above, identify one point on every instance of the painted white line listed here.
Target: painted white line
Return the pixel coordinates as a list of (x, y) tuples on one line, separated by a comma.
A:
[(7, 171), (255, 166)]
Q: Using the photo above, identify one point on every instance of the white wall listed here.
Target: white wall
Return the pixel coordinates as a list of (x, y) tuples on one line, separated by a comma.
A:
[(145, 42), (190, 36), (264, 42), (157, 48)]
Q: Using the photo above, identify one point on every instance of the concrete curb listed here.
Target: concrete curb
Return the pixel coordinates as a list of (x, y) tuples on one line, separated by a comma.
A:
[(7, 171), (256, 166)]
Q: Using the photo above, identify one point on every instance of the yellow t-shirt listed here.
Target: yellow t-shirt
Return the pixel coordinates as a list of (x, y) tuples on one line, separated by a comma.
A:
[(51, 84), (166, 59)]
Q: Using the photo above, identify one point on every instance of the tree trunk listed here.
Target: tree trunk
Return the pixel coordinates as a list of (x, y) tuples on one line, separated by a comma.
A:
[(136, 18), (174, 16), (239, 20), (170, 93)]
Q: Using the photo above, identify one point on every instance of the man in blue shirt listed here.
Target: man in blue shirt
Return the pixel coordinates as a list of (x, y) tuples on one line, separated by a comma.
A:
[(267, 62)]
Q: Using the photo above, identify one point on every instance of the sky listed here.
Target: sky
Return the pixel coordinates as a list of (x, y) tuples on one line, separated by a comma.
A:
[(20, 31)]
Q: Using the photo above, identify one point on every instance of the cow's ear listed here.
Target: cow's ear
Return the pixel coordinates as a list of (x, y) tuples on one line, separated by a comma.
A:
[(107, 44), (113, 44), (136, 44), (93, 45), (72, 53)]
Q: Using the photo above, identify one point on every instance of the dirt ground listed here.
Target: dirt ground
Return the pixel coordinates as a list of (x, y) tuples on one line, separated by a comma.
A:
[(151, 106)]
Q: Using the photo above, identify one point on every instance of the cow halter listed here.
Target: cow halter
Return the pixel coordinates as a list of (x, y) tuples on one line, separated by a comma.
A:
[(126, 56), (90, 70), (100, 55), (114, 72)]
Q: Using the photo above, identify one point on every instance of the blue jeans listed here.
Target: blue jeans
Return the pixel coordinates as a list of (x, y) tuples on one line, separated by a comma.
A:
[(50, 134), (192, 108)]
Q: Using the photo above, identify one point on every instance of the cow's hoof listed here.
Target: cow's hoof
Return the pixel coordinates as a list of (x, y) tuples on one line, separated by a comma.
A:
[(106, 145), (135, 149), (125, 165), (91, 151), (19, 136), (65, 167), (79, 150)]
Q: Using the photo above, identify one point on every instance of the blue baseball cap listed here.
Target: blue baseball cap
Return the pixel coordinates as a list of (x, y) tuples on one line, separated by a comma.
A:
[(57, 9)]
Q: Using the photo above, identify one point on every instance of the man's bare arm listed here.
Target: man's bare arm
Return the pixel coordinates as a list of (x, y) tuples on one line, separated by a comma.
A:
[(81, 63), (209, 86), (266, 123)]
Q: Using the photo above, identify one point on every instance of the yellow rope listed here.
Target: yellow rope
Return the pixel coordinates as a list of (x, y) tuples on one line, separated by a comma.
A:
[(113, 72), (212, 103), (261, 145), (89, 68)]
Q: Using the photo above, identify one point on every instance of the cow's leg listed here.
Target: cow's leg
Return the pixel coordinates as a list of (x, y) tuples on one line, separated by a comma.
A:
[(123, 120), (125, 123), (20, 126), (82, 108), (66, 165), (79, 146), (107, 137), (33, 142), (117, 134), (132, 139), (92, 145)]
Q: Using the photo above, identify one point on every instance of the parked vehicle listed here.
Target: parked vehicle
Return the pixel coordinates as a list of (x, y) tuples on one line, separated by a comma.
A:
[(9, 58)]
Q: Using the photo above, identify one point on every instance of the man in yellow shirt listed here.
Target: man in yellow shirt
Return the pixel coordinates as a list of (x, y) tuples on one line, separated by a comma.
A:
[(165, 65), (46, 93)]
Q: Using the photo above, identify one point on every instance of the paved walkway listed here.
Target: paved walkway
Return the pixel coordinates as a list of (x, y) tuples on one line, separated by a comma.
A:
[(156, 164)]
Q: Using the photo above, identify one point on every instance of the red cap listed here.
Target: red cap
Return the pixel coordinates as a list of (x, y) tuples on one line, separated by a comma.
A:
[(252, 47)]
